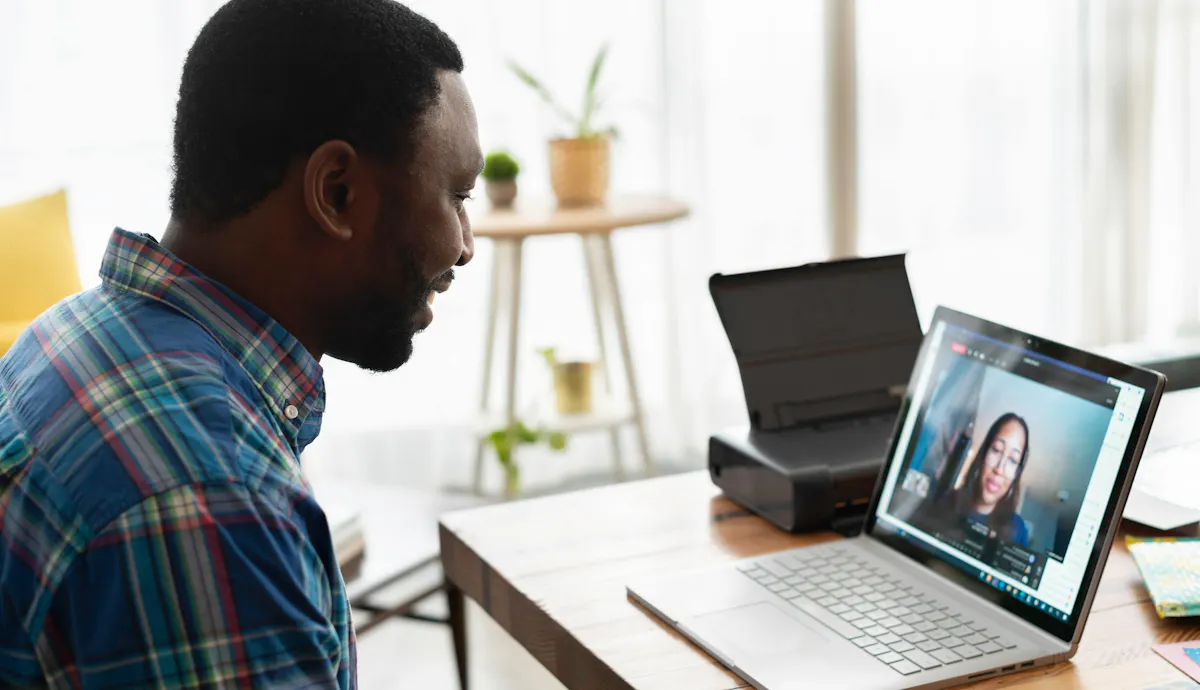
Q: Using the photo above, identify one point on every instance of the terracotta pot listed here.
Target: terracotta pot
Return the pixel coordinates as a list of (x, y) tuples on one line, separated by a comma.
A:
[(579, 170), (573, 387), (501, 192)]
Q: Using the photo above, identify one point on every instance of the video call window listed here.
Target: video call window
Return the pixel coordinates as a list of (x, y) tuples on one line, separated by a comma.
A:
[(1003, 454)]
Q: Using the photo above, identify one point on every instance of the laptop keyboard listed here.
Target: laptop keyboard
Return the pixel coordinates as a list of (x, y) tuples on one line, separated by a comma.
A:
[(900, 626)]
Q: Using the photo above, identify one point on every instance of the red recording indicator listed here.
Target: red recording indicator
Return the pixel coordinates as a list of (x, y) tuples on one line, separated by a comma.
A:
[(958, 348)]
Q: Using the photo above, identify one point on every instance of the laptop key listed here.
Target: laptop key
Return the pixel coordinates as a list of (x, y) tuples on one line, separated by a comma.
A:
[(903, 629), (1007, 644), (952, 642), (935, 616), (915, 637), (852, 582), (774, 567), (777, 587), (902, 646), (905, 667), (877, 649), (961, 631), (851, 616), (874, 596), (875, 631), (873, 580), (988, 647), (925, 627), (794, 580), (885, 587), (862, 590), (826, 602), (890, 658), (862, 623), (831, 621), (910, 601), (922, 659), (901, 611), (945, 656), (830, 585), (911, 619), (928, 646), (877, 615), (842, 593), (839, 609), (790, 594), (808, 588), (886, 603), (967, 652), (854, 600), (889, 639), (936, 634), (866, 607), (949, 623), (864, 641), (923, 609), (975, 639)]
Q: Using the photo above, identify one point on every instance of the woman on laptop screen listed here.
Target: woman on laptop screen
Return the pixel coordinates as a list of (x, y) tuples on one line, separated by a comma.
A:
[(989, 494)]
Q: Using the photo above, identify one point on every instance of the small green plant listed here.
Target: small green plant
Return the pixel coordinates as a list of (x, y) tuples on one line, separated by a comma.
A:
[(506, 439), (499, 166), (582, 124)]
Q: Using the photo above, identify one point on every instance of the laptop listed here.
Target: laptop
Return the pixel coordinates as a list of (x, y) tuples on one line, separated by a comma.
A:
[(984, 542)]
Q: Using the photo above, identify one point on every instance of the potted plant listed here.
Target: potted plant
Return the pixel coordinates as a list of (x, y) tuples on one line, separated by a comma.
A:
[(500, 173), (505, 440), (579, 162), (572, 383)]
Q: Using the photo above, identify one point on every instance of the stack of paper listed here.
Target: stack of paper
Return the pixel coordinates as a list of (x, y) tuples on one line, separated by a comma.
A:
[(1170, 567), (1166, 491)]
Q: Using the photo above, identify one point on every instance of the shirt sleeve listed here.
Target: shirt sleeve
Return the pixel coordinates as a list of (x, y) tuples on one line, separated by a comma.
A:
[(197, 587)]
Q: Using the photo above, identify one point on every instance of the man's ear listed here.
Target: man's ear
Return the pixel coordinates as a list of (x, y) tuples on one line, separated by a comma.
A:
[(330, 187)]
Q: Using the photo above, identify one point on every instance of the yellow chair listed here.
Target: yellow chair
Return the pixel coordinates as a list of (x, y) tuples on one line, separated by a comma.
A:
[(37, 262)]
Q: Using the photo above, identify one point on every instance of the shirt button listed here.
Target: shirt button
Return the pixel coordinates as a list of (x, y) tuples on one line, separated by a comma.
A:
[(291, 412)]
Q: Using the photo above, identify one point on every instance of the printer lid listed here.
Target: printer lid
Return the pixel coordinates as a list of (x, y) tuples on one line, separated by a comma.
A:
[(820, 341)]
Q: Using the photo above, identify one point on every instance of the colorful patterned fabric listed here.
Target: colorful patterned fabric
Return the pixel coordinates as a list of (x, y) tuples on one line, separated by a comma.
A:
[(155, 528)]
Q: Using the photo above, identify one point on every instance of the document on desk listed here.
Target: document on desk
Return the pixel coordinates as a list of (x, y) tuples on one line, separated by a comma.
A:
[(1166, 490)]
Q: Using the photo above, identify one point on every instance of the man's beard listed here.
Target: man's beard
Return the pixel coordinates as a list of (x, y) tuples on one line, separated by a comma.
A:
[(375, 330)]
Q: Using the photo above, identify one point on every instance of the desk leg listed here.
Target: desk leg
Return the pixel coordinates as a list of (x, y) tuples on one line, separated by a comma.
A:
[(457, 604), (592, 257), (514, 324), (489, 354), (635, 401)]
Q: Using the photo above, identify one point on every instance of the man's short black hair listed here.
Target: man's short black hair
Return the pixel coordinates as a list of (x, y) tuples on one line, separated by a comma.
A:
[(268, 81)]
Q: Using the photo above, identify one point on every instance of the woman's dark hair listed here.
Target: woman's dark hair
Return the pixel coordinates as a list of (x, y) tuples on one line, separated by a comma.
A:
[(967, 497)]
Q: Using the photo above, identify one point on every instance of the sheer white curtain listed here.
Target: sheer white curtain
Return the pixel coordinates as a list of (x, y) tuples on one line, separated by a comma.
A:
[(1034, 159)]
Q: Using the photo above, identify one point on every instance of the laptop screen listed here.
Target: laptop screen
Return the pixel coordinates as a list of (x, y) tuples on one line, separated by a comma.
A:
[(1005, 464)]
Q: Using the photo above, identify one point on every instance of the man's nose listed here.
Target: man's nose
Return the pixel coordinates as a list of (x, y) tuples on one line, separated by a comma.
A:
[(468, 251)]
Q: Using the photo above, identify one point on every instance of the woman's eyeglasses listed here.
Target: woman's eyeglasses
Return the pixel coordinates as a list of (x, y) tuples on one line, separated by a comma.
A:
[(1004, 464)]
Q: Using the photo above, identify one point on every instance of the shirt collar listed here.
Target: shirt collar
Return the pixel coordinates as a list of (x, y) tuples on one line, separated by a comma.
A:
[(289, 378)]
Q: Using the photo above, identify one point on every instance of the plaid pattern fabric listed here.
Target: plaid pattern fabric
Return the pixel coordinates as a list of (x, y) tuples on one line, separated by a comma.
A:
[(155, 528)]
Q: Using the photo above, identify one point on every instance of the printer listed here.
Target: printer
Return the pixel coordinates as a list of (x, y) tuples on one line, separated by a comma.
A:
[(825, 352)]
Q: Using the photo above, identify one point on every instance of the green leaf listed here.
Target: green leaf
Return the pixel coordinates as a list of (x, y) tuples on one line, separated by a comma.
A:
[(544, 93), (499, 165), (550, 355), (589, 92), (557, 440)]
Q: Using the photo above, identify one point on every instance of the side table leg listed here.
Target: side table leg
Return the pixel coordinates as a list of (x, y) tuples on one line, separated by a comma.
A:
[(457, 605), (592, 260), (489, 354), (514, 324), (635, 401)]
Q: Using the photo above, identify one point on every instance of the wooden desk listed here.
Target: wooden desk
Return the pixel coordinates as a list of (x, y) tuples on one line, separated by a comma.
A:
[(553, 571), (509, 229)]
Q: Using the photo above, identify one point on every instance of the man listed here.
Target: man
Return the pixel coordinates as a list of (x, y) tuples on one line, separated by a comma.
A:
[(155, 529)]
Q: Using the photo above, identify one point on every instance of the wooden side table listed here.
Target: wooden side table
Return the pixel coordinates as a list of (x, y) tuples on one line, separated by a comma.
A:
[(509, 229)]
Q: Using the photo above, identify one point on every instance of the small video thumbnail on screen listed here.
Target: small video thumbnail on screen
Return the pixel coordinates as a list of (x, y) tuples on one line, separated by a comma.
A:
[(1000, 461)]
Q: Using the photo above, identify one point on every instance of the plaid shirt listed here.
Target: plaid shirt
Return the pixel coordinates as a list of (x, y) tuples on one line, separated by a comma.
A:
[(155, 529)]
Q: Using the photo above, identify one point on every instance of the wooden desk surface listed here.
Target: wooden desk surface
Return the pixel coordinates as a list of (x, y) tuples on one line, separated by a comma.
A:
[(552, 572), (530, 218)]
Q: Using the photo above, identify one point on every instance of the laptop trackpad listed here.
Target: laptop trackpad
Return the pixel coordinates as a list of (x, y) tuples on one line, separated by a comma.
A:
[(760, 629)]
